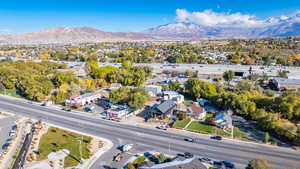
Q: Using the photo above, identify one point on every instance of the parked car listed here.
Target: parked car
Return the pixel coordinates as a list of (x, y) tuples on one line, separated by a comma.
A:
[(12, 133), (216, 137), (228, 164), (14, 127), (189, 139), (217, 164), (9, 141), (207, 160)]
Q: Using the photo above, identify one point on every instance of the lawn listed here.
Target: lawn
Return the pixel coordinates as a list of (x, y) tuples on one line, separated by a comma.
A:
[(181, 123), (57, 139), (203, 127), (11, 92)]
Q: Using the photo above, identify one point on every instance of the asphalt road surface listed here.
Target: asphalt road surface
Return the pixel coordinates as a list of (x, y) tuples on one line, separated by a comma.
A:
[(6, 124), (152, 139)]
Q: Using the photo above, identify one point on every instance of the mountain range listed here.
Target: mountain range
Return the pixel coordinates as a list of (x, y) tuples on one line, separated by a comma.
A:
[(272, 27)]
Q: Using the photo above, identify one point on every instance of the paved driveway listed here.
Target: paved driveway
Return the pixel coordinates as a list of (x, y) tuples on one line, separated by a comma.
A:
[(6, 124)]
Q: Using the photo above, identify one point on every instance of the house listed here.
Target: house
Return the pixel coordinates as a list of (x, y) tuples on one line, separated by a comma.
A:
[(153, 90), (196, 111), (284, 84), (163, 110), (173, 95), (114, 86), (181, 112), (223, 119), (81, 100)]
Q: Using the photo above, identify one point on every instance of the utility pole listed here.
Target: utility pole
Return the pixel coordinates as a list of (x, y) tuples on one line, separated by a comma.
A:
[(80, 148), (232, 131)]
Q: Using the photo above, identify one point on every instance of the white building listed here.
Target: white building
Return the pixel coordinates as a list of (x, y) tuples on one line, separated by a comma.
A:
[(153, 90), (173, 95), (81, 100), (117, 112)]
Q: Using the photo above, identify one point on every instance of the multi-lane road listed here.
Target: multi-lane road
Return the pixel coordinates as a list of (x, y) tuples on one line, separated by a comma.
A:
[(146, 139)]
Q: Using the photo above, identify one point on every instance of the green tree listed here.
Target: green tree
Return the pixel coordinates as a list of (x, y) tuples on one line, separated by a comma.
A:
[(137, 98), (174, 86), (228, 76), (282, 73)]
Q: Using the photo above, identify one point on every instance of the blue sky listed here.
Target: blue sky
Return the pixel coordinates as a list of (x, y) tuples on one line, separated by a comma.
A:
[(19, 16)]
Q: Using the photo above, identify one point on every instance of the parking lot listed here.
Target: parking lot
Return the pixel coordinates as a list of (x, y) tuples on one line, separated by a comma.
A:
[(6, 126)]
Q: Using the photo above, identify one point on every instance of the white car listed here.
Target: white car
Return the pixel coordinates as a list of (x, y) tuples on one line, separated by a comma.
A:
[(127, 147), (12, 134)]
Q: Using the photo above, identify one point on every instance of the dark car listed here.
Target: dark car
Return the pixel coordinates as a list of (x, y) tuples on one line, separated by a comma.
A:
[(66, 109), (217, 164), (228, 164), (189, 139), (216, 137), (188, 155), (207, 160)]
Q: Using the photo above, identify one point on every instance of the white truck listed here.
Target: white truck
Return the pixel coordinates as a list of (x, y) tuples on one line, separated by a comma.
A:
[(127, 147)]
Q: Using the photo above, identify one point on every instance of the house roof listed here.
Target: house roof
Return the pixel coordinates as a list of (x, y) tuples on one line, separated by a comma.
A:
[(288, 81), (166, 106), (195, 108)]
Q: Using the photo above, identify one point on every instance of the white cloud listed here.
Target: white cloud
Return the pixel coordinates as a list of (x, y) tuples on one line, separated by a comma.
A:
[(211, 18)]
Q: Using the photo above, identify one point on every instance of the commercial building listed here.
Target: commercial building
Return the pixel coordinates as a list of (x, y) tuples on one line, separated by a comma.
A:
[(81, 100)]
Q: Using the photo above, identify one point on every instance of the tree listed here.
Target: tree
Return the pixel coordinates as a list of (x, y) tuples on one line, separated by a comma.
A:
[(266, 137), (137, 98), (282, 73), (126, 63), (174, 86), (119, 96), (259, 163), (228, 76)]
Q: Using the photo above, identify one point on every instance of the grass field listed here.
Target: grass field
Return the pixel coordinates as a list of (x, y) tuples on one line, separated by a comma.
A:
[(203, 127), (57, 139), (181, 124), (11, 92)]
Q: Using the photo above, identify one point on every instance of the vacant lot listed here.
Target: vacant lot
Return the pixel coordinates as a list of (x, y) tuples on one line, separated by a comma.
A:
[(57, 139)]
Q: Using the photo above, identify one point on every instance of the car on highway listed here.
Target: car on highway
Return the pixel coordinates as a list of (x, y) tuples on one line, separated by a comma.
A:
[(66, 109), (188, 155), (228, 164), (207, 160), (162, 127), (189, 139), (216, 137)]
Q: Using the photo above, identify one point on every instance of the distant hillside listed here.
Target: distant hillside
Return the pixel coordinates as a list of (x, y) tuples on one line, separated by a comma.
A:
[(272, 27), (72, 34)]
